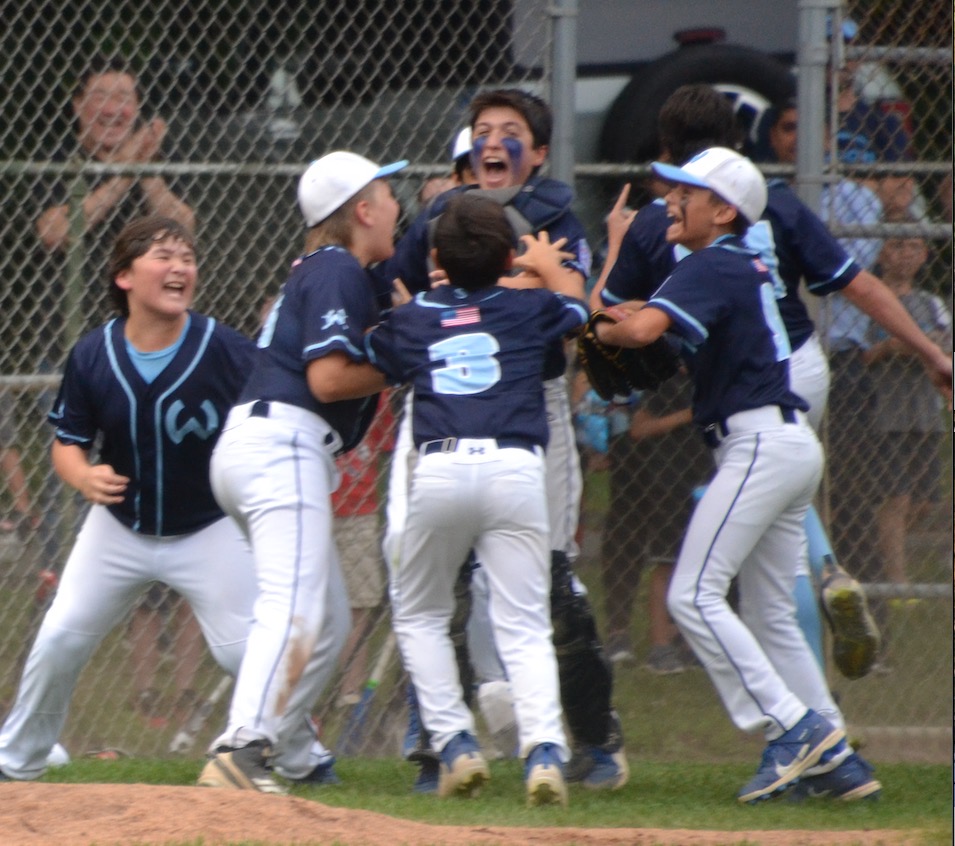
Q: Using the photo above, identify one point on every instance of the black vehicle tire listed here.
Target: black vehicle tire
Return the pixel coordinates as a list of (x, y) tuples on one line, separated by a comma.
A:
[(629, 132)]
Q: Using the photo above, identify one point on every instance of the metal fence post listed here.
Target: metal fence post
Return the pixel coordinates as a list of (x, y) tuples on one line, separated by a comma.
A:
[(812, 61), (563, 80)]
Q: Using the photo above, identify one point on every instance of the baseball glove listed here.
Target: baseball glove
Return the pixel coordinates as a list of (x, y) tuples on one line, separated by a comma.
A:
[(616, 371)]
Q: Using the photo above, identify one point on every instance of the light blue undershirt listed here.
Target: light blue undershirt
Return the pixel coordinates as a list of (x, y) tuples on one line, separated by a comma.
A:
[(151, 364)]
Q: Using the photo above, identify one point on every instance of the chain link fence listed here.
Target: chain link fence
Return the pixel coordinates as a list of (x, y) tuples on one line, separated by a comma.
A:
[(888, 437), (238, 96)]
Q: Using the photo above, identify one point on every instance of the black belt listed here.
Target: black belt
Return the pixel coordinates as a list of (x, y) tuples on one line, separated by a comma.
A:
[(451, 444), (714, 434), (261, 408)]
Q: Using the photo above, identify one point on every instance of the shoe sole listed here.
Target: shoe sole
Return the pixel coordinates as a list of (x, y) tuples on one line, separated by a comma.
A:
[(856, 638), (546, 786), (465, 780), (871, 791), (796, 769), (221, 772)]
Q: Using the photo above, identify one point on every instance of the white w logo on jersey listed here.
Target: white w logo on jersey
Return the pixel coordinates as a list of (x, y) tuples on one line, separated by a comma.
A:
[(177, 433)]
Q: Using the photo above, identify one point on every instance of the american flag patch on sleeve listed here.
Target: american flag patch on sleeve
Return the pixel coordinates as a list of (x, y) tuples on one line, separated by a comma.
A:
[(460, 316)]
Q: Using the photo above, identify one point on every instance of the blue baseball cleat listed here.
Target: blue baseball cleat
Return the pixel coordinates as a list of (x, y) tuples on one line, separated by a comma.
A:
[(463, 768), (850, 781), (787, 757), (544, 776), (597, 769)]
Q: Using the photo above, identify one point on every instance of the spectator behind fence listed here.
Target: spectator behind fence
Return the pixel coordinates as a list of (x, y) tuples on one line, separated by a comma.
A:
[(110, 128), (852, 394), (20, 516), (868, 133), (161, 626), (355, 508), (908, 414), (648, 519), (847, 201)]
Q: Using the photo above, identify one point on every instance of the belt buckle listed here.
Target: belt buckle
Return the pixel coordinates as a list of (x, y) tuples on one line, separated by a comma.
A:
[(442, 445), (711, 436)]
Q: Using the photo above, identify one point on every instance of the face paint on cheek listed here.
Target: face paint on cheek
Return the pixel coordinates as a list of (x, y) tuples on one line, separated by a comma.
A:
[(515, 152), (477, 148)]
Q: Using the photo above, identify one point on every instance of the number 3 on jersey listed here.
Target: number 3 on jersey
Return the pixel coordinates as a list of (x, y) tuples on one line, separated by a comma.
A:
[(470, 365)]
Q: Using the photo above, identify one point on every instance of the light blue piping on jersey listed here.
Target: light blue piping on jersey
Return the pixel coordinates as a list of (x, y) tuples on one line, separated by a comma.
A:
[(131, 396), (489, 293), (348, 345), (836, 275), (157, 422), (679, 312), (720, 243)]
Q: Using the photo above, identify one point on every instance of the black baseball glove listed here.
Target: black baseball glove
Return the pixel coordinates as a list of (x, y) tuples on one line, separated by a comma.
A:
[(616, 371)]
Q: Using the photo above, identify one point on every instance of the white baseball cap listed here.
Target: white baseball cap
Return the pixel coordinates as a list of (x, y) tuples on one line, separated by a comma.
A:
[(724, 172), (331, 181), (462, 144)]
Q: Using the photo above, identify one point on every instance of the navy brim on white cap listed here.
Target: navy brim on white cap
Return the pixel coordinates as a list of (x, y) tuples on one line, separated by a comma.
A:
[(726, 173), (331, 181)]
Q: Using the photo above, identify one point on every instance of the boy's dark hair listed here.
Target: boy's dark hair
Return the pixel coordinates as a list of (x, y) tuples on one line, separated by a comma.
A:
[(693, 118), (99, 64), (461, 164), (533, 109), (134, 241), (473, 240)]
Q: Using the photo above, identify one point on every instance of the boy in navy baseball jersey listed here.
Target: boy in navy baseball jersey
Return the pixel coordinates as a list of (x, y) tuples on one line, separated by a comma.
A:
[(474, 353), (310, 397), (795, 245), (510, 134), (721, 302), (156, 384)]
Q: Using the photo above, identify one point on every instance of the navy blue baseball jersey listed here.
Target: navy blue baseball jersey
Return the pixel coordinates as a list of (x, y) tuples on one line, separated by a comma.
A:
[(722, 303), (543, 204), (645, 257), (325, 306), (475, 359), (160, 434), (791, 240)]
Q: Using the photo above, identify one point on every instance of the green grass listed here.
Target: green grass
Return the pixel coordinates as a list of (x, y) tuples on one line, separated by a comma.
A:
[(916, 798)]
